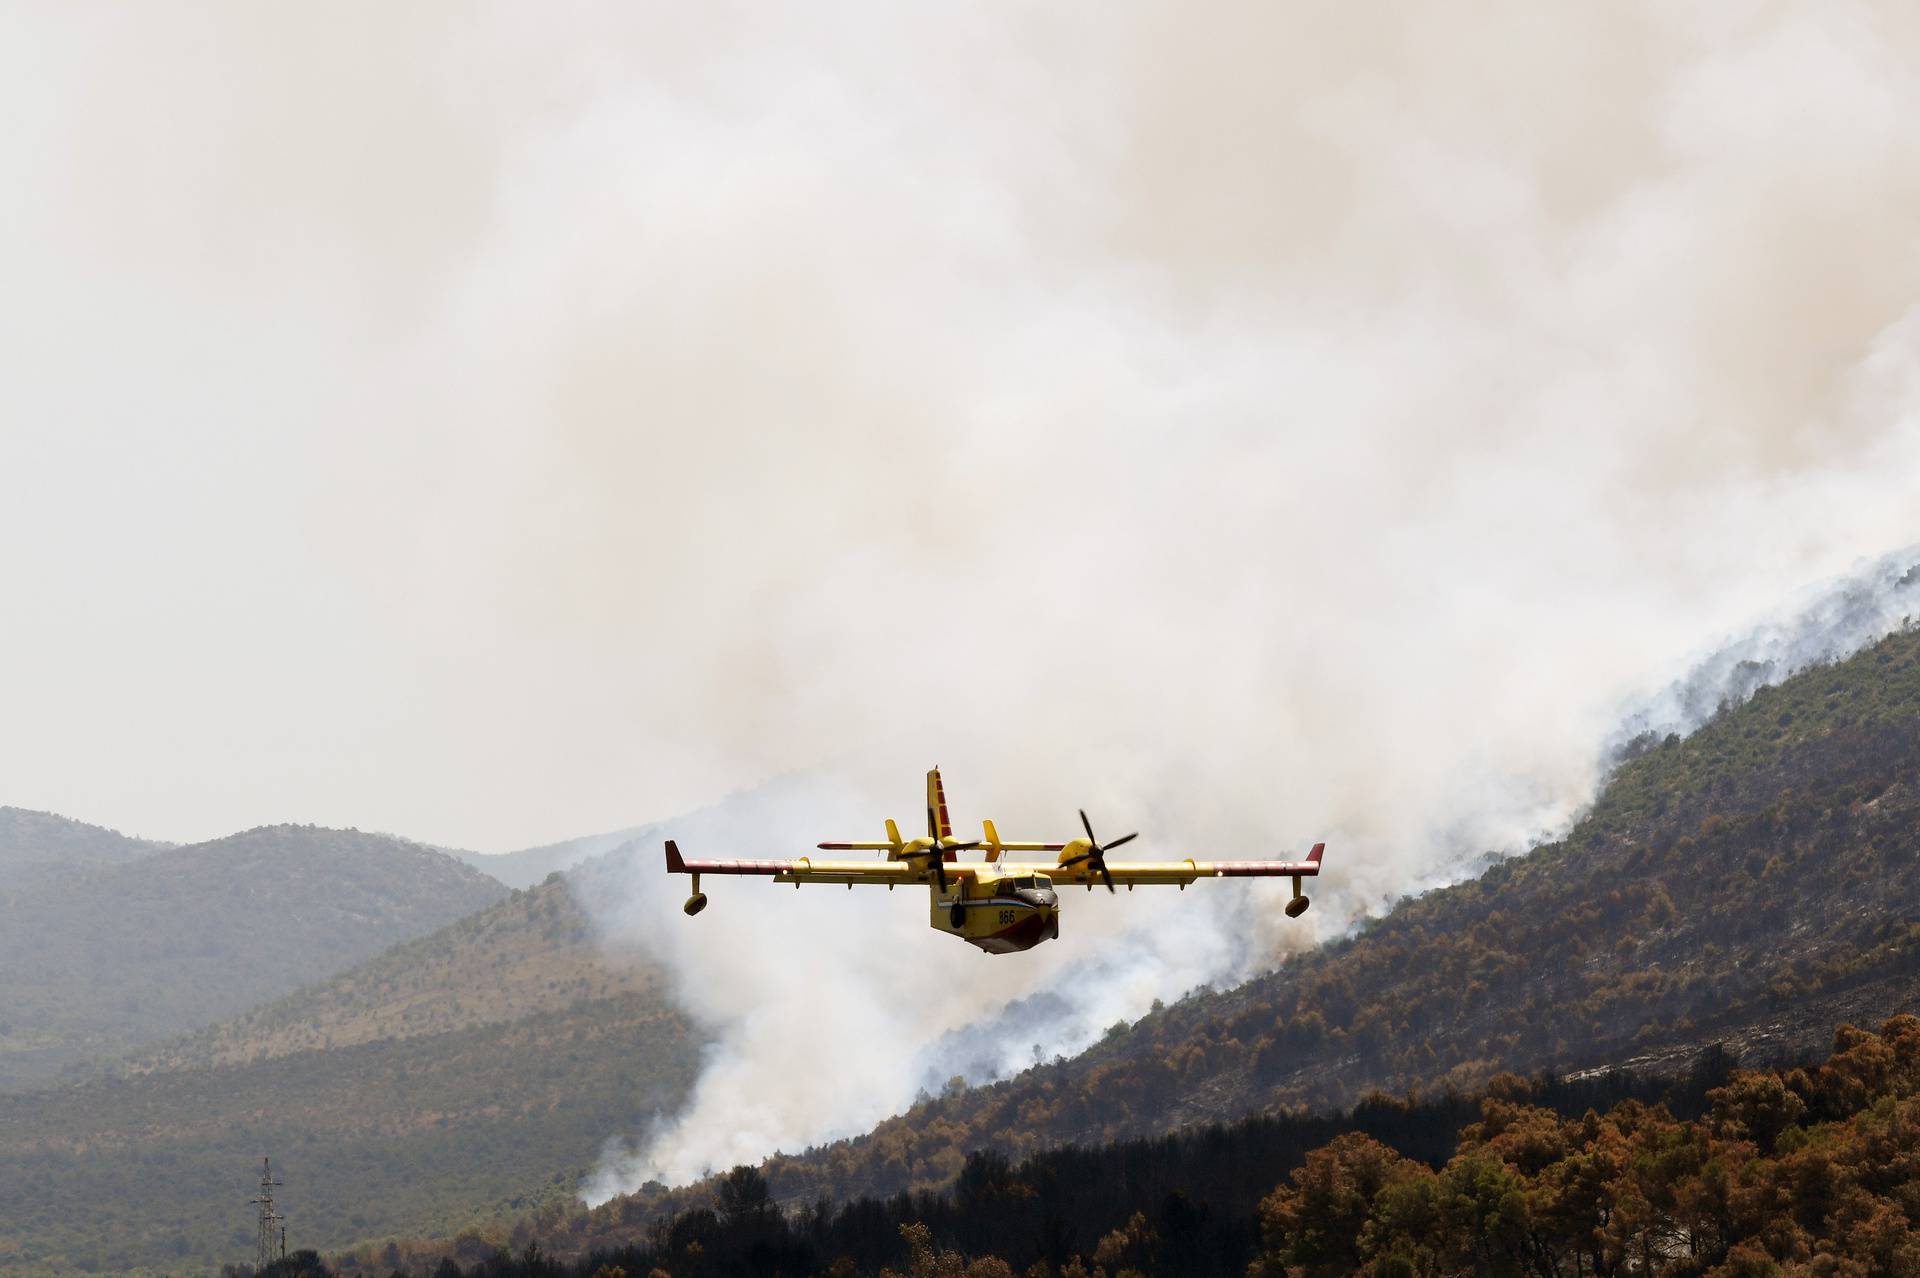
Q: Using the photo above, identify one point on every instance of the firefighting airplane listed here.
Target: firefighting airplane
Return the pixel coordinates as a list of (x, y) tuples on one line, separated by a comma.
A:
[(1001, 906)]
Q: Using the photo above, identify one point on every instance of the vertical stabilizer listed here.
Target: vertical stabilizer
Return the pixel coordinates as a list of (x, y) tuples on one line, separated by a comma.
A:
[(939, 825)]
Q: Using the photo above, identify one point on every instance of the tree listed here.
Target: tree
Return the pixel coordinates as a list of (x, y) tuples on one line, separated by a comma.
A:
[(1317, 1218), (742, 1197), (1755, 1106)]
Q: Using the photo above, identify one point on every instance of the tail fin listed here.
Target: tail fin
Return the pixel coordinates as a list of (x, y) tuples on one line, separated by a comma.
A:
[(939, 826)]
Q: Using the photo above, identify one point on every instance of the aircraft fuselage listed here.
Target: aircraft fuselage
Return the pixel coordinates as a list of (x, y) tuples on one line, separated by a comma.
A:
[(1000, 916)]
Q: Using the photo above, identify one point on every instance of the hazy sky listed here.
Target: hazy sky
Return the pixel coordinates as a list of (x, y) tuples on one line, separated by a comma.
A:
[(499, 422)]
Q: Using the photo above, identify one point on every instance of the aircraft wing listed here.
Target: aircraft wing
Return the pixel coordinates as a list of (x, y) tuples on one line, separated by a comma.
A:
[(1181, 873), (809, 870)]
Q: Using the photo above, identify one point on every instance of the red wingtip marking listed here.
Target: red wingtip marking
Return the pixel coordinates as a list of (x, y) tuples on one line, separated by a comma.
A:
[(1314, 855), (675, 865)]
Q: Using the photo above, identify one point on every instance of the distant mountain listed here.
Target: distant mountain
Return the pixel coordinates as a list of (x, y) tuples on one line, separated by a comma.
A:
[(770, 805), (1755, 885), (466, 1076), (528, 954), (102, 957), (528, 866), (41, 840)]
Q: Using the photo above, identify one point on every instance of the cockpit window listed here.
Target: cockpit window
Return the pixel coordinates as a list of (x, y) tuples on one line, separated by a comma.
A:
[(1023, 883)]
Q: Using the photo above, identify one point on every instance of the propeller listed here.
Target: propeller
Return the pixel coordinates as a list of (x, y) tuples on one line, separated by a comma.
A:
[(937, 858), (1096, 853), (937, 853)]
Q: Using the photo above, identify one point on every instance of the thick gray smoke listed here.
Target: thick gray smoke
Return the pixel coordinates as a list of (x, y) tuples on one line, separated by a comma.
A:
[(1257, 425)]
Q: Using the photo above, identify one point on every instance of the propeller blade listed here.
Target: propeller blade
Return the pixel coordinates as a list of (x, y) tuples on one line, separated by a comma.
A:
[(1125, 838), (1088, 827), (1106, 877), (962, 847), (940, 873)]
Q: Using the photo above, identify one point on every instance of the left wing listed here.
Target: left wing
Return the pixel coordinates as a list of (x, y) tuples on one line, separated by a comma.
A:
[(1146, 873)]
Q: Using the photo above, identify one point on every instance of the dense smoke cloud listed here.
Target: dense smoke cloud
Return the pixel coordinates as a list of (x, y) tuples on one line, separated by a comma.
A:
[(1258, 426)]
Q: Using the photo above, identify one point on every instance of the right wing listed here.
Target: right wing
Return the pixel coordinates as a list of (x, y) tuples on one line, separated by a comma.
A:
[(807, 870)]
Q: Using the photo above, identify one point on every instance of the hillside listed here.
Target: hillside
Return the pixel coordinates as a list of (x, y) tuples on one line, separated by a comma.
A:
[(41, 840), (1755, 883), (103, 957), (1801, 1171), (531, 952), (462, 1076)]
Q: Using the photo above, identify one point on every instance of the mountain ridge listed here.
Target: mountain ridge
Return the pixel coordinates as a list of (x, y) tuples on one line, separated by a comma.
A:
[(452, 1079), (34, 840), (104, 957)]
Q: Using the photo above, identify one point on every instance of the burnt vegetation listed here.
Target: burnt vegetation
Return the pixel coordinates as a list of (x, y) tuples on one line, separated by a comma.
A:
[(1722, 1173)]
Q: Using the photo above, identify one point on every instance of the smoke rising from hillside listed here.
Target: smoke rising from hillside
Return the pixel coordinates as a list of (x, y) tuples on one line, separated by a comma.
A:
[(1256, 427), (1834, 621)]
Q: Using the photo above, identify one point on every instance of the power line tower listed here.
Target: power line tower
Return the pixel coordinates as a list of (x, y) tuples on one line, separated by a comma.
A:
[(269, 1220)]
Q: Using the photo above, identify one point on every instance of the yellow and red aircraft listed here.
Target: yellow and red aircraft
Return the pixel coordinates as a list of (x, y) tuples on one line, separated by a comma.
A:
[(1001, 906)]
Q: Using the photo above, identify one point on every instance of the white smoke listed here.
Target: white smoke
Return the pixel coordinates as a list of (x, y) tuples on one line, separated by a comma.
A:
[(1342, 427), (1833, 621), (1256, 425), (832, 1008)]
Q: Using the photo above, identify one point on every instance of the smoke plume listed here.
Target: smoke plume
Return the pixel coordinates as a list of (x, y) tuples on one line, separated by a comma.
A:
[(1257, 425)]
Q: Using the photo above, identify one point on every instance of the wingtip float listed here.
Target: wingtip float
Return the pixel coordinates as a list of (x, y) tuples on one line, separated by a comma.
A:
[(1002, 906)]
